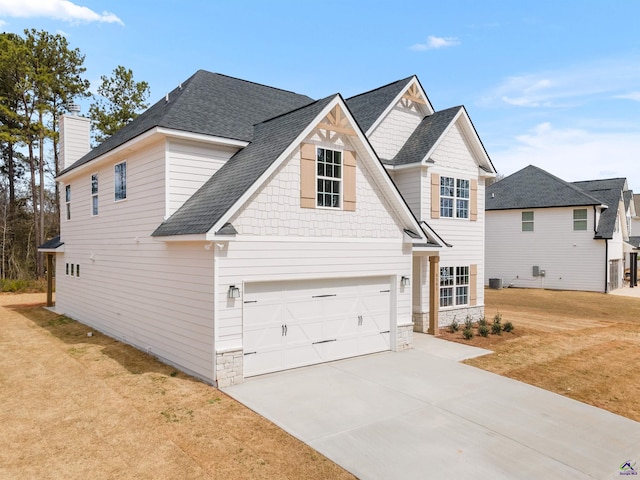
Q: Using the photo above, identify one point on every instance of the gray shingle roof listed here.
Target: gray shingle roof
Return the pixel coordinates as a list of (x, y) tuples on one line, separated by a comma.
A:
[(609, 191), (533, 187), (425, 136), (207, 103), (207, 206), (51, 244), (628, 197), (635, 241), (367, 107)]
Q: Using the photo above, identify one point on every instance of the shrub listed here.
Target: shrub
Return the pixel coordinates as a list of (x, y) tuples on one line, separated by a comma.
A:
[(497, 318), (468, 322), (482, 322), (483, 330), (496, 328), (467, 333), (455, 326), (508, 327)]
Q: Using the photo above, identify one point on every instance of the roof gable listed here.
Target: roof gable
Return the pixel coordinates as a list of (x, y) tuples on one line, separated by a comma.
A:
[(220, 197), (610, 192), (210, 104), (370, 107), (533, 187)]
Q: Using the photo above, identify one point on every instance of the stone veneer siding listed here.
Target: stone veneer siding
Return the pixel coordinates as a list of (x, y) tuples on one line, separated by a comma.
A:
[(404, 337), (229, 368), (445, 317)]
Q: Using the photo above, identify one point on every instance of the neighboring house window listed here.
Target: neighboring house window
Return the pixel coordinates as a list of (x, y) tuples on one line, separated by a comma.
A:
[(580, 219), (94, 194), (329, 179), (66, 267), (527, 221), (78, 270), (454, 198), (67, 197), (72, 270), (120, 181), (454, 286)]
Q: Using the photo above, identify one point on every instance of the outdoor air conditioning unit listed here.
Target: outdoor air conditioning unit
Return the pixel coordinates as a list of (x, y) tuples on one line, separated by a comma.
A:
[(495, 283)]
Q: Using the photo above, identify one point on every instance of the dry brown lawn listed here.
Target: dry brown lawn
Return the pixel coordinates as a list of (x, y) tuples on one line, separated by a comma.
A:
[(79, 407), (582, 345)]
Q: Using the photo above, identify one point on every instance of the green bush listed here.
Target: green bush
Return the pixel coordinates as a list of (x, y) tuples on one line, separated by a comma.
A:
[(455, 326), (483, 330), (482, 322), (468, 322), (497, 318), (23, 286), (508, 327), (496, 328), (467, 333)]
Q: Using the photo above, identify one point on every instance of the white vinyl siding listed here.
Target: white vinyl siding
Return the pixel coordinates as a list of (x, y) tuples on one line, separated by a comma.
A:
[(189, 166), (157, 296), (572, 260)]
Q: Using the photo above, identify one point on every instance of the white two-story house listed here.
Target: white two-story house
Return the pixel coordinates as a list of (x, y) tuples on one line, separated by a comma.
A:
[(235, 229), (544, 232)]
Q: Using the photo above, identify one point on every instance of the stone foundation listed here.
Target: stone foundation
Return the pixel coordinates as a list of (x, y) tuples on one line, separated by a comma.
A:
[(460, 315), (421, 322), (404, 337), (229, 368)]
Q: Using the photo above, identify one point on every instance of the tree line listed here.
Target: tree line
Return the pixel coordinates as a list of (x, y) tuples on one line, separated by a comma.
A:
[(40, 76)]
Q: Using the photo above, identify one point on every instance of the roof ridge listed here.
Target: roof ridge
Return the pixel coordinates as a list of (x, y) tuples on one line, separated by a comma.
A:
[(248, 81), (568, 184), (381, 87)]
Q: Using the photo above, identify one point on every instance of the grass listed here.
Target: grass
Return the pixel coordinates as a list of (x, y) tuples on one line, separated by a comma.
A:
[(78, 407), (582, 345)]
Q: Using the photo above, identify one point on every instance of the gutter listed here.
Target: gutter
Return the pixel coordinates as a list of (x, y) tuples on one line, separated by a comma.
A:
[(606, 264)]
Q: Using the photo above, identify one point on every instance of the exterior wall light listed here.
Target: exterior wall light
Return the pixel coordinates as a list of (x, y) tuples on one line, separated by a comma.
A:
[(234, 292), (405, 281)]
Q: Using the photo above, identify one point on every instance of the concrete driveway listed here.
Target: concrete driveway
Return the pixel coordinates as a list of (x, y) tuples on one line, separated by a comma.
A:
[(421, 414)]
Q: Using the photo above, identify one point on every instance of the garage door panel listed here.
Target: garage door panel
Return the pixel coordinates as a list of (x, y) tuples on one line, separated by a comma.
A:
[(316, 321)]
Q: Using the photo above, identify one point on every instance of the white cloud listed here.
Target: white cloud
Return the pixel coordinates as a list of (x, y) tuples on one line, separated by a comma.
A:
[(574, 85), (58, 9), (434, 43), (573, 154), (630, 96)]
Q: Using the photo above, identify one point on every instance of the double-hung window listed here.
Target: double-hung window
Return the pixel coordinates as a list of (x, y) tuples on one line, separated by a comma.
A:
[(120, 181), (454, 197), (67, 198), (329, 177), (454, 286), (527, 221), (94, 194), (580, 219)]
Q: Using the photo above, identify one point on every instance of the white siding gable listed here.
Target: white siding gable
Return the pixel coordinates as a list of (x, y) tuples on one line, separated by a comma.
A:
[(394, 130), (275, 208)]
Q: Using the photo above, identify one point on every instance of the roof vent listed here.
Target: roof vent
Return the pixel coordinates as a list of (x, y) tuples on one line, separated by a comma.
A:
[(73, 108)]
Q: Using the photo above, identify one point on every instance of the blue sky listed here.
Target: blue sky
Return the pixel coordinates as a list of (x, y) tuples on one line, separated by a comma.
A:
[(550, 83)]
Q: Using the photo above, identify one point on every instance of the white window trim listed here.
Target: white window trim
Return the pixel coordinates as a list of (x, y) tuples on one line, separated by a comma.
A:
[(455, 198), (95, 195), (126, 195), (339, 180), (67, 202), (532, 221), (585, 220), (454, 287)]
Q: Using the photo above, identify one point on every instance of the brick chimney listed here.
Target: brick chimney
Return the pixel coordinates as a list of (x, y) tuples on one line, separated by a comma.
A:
[(74, 139)]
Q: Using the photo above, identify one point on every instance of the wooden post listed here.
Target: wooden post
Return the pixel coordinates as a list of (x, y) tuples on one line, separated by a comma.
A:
[(49, 279), (434, 293)]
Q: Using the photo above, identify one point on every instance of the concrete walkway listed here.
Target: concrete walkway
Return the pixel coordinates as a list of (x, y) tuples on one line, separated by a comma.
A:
[(420, 414)]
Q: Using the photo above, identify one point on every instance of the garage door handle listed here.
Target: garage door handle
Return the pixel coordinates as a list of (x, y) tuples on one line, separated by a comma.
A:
[(324, 341), (385, 291), (251, 301), (322, 296), (250, 353), (386, 331)]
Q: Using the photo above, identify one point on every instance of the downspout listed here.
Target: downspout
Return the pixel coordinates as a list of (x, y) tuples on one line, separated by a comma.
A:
[(606, 265)]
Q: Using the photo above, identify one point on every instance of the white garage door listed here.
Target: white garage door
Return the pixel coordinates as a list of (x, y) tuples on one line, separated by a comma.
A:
[(298, 323)]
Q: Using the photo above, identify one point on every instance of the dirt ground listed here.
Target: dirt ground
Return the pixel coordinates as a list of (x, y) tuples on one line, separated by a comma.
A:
[(79, 407), (582, 345)]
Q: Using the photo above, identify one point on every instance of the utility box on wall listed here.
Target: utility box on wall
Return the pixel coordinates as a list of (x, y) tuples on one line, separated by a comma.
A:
[(536, 271)]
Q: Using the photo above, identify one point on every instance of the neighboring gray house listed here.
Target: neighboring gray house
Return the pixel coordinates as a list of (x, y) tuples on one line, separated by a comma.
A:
[(544, 232)]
